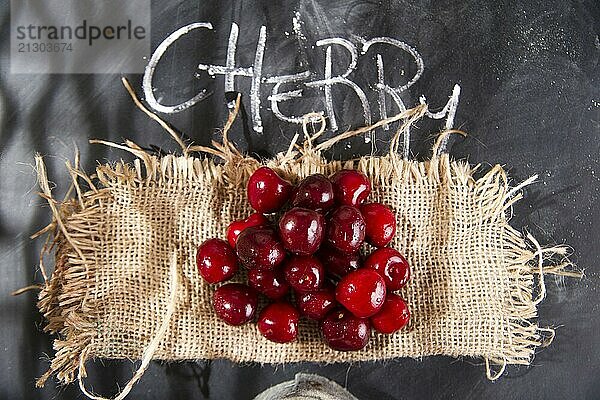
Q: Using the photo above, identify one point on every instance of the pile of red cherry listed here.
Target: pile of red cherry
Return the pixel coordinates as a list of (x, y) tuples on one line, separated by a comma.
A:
[(314, 249)]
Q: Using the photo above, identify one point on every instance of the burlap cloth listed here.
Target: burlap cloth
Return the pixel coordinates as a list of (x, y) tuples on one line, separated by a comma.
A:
[(472, 291)]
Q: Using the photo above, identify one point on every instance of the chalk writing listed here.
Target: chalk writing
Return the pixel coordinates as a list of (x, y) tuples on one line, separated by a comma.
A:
[(304, 79)]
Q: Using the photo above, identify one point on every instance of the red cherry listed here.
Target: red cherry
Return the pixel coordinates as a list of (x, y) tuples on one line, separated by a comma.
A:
[(391, 265), (351, 187), (267, 191), (216, 261), (236, 227), (393, 316), (271, 283), (301, 230), (235, 303), (315, 305), (346, 229), (338, 263), (362, 292), (278, 322), (304, 273), (314, 192), (345, 332), (259, 247), (381, 224)]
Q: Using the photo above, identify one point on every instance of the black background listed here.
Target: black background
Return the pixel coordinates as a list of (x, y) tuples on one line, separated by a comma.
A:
[(530, 101)]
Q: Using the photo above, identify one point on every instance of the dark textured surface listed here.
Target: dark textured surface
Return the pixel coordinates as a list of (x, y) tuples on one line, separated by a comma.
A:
[(530, 100)]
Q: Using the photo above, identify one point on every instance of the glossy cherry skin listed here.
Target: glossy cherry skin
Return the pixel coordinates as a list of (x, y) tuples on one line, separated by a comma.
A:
[(391, 265), (362, 292), (346, 229), (235, 303), (269, 282), (259, 247), (267, 191), (301, 230), (345, 332), (350, 187), (393, 316), (216, 261), (315, 192), (380, 224), (338, 263), (236, 227), (278, 322), (304, 273), (315, 305)]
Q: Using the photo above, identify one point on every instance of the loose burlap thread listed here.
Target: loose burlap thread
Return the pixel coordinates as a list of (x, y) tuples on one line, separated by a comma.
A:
[(125, 279)]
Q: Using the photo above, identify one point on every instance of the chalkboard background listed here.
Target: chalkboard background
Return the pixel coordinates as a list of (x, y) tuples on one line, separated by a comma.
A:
[(530, 100)]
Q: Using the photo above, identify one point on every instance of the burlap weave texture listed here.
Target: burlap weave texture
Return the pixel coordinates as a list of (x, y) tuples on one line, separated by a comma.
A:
[(471, 291)]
